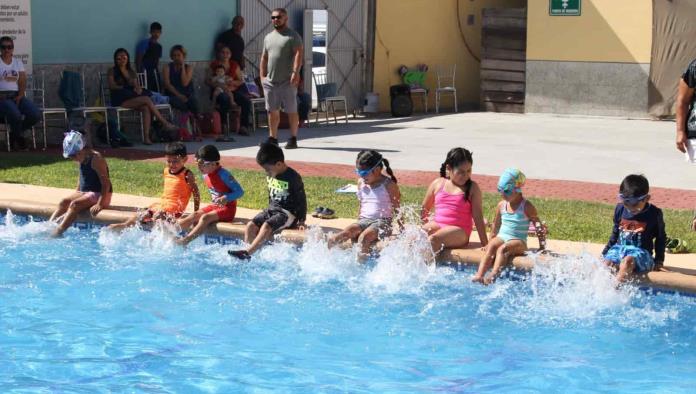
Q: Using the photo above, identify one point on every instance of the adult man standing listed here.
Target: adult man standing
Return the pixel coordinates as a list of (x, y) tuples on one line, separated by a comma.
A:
[(232, 39), (20, 112), (280, 75)]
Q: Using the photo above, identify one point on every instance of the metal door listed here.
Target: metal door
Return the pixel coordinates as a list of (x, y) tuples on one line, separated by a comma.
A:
[(346, 44)]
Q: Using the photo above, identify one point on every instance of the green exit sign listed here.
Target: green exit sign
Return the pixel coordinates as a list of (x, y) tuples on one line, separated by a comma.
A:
[(564, 7)]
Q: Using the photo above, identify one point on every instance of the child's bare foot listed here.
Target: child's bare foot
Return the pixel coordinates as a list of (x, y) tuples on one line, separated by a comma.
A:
[(183, 241), (477, 278), (488, 280)]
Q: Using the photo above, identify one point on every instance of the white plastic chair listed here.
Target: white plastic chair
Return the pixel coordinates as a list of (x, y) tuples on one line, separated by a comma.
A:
[(445, 84), (92, 109), (142, 79), (326, 95), (106, 99), (38, 91)]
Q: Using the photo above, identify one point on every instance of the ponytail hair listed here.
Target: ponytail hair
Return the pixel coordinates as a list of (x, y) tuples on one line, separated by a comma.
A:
[(372, 158), (455, 157)]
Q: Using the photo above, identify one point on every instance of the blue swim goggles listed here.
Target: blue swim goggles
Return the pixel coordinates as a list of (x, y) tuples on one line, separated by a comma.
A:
[(364, 173), (632, 200), (507, 189)]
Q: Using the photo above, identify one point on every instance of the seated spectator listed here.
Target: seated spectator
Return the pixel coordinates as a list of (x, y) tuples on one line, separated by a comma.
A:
[(148, 52), (223, 100), (20, 112), (178, 81), (126, 92)]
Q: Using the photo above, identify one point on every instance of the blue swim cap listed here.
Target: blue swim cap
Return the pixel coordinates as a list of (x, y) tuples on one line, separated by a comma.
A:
[(513, 177), (72, 143)]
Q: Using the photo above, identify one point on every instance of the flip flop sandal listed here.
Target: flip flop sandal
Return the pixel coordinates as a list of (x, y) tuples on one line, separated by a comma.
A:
[(317, 211), (682, 247), (327, 213), (671, 243)]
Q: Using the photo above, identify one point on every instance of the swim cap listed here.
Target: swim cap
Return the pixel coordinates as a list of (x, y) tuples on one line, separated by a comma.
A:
[(72, 143), (512, 176)]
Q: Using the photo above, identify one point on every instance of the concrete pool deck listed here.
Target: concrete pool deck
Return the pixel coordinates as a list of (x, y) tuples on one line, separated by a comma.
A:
[(679, 274)]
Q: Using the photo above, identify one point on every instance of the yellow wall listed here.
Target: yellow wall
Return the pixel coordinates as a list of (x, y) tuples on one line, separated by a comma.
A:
[(425, 31), (606, 31)]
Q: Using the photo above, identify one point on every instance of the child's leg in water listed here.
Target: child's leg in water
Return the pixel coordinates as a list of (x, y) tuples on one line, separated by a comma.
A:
[(205, 219), (366, 239), (487, 259), (76, 206), (626, 268), (63, 205), (186, 222), (509, 249), (351, 232), (265, 233)]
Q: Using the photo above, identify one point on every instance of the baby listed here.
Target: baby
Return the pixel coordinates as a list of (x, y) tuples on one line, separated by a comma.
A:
[(220, 81)]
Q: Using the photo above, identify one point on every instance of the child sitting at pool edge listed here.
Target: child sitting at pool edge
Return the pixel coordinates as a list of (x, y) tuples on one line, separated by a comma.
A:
[(287, 201), (94, 187), (179, 185), (638, 227), (379, 198), (509, 236), (224, 191)]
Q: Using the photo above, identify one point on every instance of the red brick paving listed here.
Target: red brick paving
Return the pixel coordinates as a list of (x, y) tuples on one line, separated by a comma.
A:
[(545, 188)]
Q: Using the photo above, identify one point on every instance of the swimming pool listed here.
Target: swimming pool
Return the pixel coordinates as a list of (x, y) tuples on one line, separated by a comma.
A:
[(94, 312)]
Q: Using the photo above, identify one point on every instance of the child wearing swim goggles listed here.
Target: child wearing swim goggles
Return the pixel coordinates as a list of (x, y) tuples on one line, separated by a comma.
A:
[(510, 227), (379, 198), (224, 191), (638, 229)]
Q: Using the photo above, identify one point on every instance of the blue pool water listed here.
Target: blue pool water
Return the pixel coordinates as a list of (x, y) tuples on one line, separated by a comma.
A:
[(95, 312)]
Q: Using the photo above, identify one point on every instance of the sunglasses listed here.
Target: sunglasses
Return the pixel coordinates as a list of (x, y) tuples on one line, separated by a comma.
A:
[(8, 47), (274, 17), (507, 190), (364, 173), (632, 200), (202, 162)]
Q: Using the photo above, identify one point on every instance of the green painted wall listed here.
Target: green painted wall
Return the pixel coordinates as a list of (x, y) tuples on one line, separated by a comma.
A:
[(88, 31)]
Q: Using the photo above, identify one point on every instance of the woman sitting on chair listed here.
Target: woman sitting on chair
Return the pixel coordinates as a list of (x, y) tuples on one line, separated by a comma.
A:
[(224, 101), (126, 92), (178, 81)]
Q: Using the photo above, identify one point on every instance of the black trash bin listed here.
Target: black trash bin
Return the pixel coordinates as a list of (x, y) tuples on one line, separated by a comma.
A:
[(401, 102)]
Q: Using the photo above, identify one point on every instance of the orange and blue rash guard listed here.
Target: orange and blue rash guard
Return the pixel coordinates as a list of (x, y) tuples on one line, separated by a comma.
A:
[(177, 192)]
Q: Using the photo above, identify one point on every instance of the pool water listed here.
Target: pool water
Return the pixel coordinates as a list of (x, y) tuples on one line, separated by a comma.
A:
[(96, 312)]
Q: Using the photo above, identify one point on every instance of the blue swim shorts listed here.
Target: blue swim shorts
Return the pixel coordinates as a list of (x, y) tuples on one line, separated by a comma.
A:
[(643, 260)]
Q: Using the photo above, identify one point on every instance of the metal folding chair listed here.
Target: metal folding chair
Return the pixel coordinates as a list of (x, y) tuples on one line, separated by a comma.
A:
[(445, 85), (84, 109), (142, 79), (326, 96)]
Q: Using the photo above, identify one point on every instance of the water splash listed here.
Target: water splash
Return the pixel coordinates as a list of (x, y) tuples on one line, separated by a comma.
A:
[(14, 230)]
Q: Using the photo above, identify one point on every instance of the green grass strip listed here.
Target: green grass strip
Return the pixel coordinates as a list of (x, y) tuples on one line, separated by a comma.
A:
[(567, 220)]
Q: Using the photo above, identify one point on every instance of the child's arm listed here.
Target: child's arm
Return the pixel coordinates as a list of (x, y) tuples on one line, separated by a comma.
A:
[(191, 180), (497, 221), (531, 212), (660, 241), (477, 212), (236, 192), (299, 191), (614, 238), (429, 200), (99, 165), (395, 196)]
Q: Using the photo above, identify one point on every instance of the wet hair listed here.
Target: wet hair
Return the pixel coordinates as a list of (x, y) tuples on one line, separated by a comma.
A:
[(208, 153), (634, 186), (371, 158), (155, 26), (456, 157), (6, 39), (179, 48), (269, 154), (175, 149), (280, 10)]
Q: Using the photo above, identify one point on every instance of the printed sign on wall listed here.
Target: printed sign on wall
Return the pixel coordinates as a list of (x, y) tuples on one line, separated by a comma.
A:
[(15, 21), (564, 7)]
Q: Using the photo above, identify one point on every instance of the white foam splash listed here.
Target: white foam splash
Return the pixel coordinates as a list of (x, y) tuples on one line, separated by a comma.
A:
[(13, 232)]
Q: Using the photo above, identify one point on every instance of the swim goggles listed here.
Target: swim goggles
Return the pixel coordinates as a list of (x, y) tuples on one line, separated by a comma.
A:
[(364, 173), (202, 162), (507, 189), (632, 200)]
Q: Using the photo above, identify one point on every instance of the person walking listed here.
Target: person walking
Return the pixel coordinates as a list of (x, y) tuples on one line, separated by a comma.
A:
[(280, 75)]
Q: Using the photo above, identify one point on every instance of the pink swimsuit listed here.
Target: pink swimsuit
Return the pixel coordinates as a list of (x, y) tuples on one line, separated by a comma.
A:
[(453, 210)]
